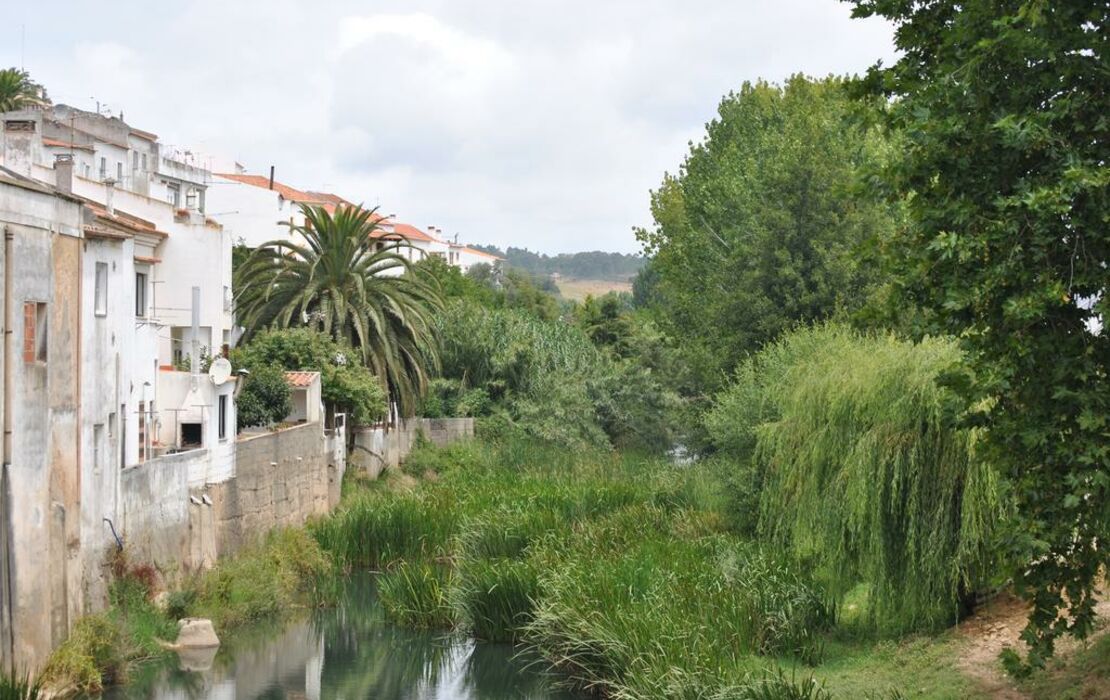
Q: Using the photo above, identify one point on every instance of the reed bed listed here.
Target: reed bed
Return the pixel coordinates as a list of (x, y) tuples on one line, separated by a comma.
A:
[(620, 572)]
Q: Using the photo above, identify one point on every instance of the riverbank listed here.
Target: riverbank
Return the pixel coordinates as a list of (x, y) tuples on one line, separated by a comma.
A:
[(624, 574), (620, 572)]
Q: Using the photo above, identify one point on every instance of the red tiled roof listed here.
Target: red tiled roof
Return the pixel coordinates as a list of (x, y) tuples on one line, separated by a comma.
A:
[(56, 143), (123, 219), (408, 232), (290, 193), (482, 253), (300, 380)]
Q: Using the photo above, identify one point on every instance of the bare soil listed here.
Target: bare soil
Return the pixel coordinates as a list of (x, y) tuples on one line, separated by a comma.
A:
[(997, 625)]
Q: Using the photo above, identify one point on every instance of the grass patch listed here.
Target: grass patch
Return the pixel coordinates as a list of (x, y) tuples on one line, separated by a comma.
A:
[(286, 570), (13, 688), (1083, 675), (619, 570), (415, 595)]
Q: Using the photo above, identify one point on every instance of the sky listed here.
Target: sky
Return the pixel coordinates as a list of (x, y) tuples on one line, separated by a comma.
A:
[(539, 124)]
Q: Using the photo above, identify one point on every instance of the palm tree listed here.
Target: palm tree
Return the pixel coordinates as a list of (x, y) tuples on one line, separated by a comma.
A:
[(17, 90), (344, 282)]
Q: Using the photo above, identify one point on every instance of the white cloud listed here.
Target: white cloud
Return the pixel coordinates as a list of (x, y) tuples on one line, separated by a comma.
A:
[(541, 123)]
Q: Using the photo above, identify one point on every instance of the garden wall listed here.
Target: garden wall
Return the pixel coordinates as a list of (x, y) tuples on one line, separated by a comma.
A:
[(380, 448), (282, 478)]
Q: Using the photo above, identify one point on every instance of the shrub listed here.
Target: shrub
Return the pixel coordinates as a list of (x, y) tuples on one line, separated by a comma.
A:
[(89, 658), (286, 569), (828, 410), (12, 688), (265, 398)]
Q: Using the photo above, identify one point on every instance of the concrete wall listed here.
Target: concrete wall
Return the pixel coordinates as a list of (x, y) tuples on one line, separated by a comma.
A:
[(378, 449), (282, 479)]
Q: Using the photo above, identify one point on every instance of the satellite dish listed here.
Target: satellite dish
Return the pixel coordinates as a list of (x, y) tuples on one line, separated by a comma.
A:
[(220, 371)]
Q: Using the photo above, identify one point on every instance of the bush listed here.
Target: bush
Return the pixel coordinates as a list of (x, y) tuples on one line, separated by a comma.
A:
[(265, 399), (828, 410), (345, 382), (495, 597), (284, 570), (416, 595)]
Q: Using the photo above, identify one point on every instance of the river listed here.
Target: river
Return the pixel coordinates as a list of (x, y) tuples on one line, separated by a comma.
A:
[(348, 652)]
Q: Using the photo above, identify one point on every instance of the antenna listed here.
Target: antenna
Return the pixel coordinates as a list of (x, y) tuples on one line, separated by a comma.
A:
[(220, 371)]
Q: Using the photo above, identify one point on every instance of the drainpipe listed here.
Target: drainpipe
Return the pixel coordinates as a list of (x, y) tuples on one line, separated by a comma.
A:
[(8, 651)]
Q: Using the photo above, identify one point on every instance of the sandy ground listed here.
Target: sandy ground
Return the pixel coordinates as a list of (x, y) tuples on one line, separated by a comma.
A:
[(997, 625)]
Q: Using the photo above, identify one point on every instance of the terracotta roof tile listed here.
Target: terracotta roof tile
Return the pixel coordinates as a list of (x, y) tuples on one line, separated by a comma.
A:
[(300, 380)]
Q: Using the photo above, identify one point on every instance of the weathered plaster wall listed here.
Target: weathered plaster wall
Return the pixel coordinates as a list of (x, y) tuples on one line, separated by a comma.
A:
[(282, 479), (377, 449)]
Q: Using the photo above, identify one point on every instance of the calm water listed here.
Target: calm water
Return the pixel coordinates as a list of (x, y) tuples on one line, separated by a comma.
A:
[(350, 653)]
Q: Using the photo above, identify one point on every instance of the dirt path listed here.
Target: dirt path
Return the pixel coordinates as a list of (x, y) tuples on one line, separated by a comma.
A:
[(997, 625)]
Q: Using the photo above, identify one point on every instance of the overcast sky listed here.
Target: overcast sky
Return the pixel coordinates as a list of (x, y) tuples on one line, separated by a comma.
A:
[(539, 124)]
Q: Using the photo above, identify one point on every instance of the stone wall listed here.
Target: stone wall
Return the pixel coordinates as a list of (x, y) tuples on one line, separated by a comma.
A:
[(378, 449), (281, 479)]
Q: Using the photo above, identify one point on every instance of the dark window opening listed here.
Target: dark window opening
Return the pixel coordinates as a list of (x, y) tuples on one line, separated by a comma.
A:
[(191, 435), (223, 417)]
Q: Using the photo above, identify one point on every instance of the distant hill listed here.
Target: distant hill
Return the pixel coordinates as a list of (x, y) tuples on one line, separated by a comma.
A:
[(592, 265)]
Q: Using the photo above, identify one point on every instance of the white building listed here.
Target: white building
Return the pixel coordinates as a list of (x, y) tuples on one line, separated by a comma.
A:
[(152, 268)]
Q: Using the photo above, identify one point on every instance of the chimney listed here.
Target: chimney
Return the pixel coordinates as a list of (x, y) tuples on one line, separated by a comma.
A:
[(109, 195), (271, 177), (63, 172)]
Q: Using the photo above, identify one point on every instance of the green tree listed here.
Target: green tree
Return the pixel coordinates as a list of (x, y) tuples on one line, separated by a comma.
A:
[(265, 398), (18, 91), (346, 384), (763, 226), (1004, 104), (337, 277)]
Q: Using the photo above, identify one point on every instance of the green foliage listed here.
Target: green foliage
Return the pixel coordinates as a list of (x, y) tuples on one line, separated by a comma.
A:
[(763, 226), (1004, 110), (265, 399), (616, 569), (89, 658), (13, 688), (286, 569), (590, 265), (828, 410), (415, 595), (337, 276), (18, 91), (377, 529), (346, 384), (547, 379), (448, 398), (538, 371), (495, 597)]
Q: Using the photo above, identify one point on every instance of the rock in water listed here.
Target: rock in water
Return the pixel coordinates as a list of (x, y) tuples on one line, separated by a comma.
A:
[(196, 633)]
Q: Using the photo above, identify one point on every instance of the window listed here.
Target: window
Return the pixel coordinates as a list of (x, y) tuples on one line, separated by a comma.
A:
[(223, 416), (173, 195), (88, 171), (144, 162), (142, 431), (119, 172), (191, 435), (191, 198), (140, 294), (134, 160), (103, 168), (34, 332), (101, 294)]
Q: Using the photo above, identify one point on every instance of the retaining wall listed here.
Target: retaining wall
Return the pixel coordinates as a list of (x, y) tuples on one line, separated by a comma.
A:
[(380, 448), (281, 479)]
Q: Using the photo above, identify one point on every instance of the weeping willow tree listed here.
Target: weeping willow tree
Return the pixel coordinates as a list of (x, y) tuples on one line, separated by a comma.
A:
[(865, 470), (336, 276)]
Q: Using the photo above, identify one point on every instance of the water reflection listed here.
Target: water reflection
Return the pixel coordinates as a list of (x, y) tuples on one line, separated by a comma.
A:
[(349, 652)]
